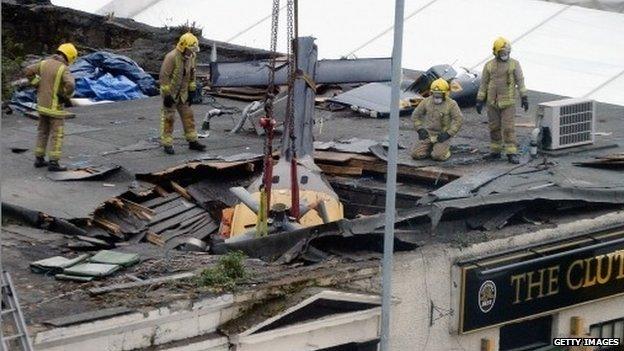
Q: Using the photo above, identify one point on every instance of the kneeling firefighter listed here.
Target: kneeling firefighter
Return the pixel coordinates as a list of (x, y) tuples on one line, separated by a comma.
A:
[(437, 119)]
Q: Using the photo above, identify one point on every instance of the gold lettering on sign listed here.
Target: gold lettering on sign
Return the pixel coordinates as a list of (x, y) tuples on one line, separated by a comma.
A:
[(581, 273), (553, 280), (589, 279), (569, 275), (620, 256), (603, 279), (516, 281), (535, 284)]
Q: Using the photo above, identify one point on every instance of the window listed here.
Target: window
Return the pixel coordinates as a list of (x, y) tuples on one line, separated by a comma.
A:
[(528, 335), (608, 329)]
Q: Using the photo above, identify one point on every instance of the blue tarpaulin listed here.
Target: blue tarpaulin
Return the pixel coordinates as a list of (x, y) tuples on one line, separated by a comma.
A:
[(24, 100), (108, 87), (107, 76), (99, 76)]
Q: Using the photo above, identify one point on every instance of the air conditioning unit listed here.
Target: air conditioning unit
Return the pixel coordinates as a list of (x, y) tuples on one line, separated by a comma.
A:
[(566, 123)]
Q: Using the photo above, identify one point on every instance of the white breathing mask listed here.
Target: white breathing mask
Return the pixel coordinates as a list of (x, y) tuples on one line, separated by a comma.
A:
[(438, 98)]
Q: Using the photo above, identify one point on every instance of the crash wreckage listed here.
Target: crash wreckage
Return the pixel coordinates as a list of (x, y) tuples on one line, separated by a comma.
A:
[(125, 238)]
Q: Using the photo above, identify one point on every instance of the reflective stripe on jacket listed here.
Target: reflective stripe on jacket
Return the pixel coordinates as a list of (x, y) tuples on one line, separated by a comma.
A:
[(177, 75), (54, 81), (499, 82), (446, 117)]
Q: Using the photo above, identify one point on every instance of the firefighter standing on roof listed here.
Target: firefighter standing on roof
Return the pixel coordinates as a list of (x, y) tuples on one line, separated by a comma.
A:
[(501, 77), (55, 85), (437, 119), (177, 83)]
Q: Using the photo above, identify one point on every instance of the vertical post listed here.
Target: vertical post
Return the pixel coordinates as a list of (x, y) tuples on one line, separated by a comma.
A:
[(576, 326), (487, 344), (393, 135), (303, 103)]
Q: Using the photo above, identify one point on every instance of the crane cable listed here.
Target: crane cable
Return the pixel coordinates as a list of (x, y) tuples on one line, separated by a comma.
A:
[(268, 123), (292, 37)]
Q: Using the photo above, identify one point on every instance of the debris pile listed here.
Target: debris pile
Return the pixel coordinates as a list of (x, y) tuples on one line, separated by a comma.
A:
[(84, 268), (170, 221)]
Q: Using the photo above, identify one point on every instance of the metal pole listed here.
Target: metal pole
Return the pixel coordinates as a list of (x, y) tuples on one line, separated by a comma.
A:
[(393, 135)]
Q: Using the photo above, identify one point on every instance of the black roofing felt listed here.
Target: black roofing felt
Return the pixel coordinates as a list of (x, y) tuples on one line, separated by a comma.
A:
[(126, 134)]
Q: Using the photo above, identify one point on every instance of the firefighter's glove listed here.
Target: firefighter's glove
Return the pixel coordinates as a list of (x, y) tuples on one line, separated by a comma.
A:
[(479, 106), (168, 101), (444, 136), (525, 103)]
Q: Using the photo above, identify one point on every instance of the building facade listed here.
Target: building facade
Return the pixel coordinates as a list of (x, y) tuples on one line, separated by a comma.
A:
[(513, 293)]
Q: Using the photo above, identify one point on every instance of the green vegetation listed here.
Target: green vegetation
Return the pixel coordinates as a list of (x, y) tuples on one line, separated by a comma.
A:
[(229, 271), (186, 27), (12, 58)]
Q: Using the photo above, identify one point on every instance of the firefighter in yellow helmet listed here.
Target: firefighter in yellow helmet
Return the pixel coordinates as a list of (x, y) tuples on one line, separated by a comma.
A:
[(55, 85), (501, 77), (437, 119), (177, 83)]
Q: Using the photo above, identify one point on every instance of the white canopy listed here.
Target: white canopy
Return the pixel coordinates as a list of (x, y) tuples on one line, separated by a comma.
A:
[(564, 49)]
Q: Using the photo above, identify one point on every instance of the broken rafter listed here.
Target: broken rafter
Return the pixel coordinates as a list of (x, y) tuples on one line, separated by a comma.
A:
[(342, 163), (155, 239), (109, 226), (139, 210), (180, 190)]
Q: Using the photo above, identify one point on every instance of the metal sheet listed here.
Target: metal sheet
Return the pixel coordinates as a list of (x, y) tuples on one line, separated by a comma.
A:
[(353, 145), (591, 195), (466, 185), (292, 245), (372, 96), (256, 73), (354, 71)]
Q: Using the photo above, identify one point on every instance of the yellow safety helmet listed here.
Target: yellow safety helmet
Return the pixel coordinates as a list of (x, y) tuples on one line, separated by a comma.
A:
[(188, 41), (499, 44), (440, 85), (70, 52)]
